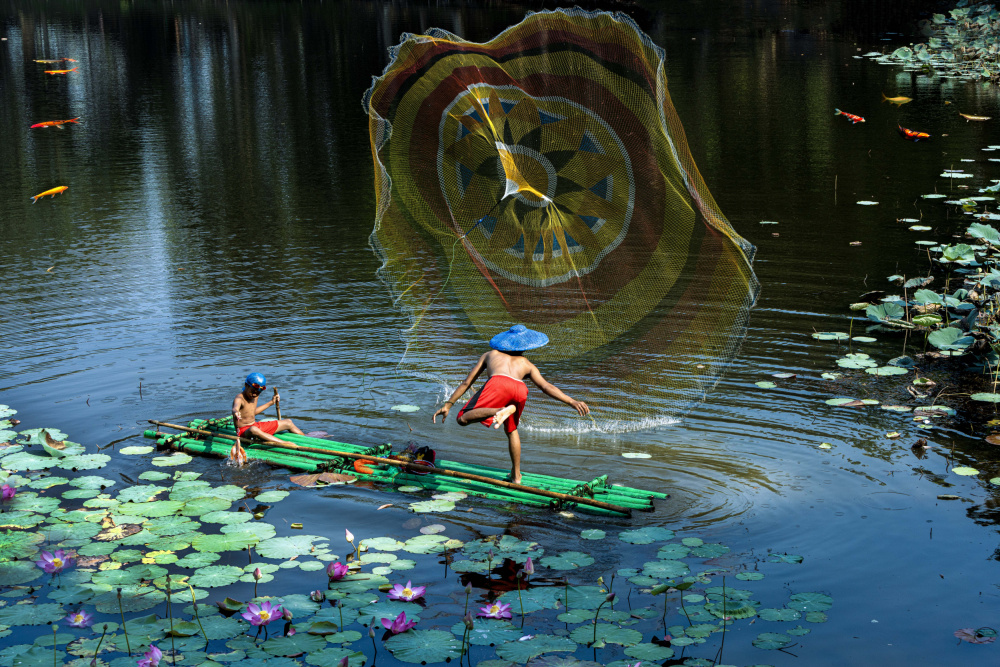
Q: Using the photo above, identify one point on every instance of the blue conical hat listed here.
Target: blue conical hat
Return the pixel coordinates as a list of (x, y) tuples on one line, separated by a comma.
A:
[(518, 339)]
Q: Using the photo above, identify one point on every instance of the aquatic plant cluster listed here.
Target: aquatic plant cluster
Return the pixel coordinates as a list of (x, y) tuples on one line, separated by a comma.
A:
[(965, 43), (141, 575)]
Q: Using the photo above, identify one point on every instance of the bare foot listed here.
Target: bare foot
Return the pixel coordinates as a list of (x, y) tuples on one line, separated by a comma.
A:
[(515, 480), (500, 417)]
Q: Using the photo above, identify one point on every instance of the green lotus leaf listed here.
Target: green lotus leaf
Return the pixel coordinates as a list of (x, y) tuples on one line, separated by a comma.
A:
[(34, 435), (950, 338), (136, 450), (535, 599), (765, 384), (856, 360), (718, 593), (153, 509), (46, 482), (569, 560), (488, 631), (287, 547), (504, 547), (884, 311), (134, 598), (750, 576), (381, 544), (77, 494), (887, 370), (426, 544), (15, 545), (986, 397), (798, 631), (587, 615), (965, 471), (593, 534), (466, 566), (779, 614), (23, 461), (175, 459), (84, 462), (815, 617), (810, 602), (522, 652), (709, 551), (424, 646), (832, 376), (644, 580), (31, 614), (650, 652), (665, 569), (830, 335), (673, 551), (349, 611), (294, 645), (214, 576), (189, 489), (224, 542), (200, 506), (357, 583), (331, 657), (29, 501), (154, 476), (141, 493), (168, 526), (92, 482), (126, 556), (226, 517), (409, 489), (784, 558), (432, 506), (20, 520), (376, 557), (732, 609), (606, 634), (17, 572), (646, 535), (269, 497), (772, 640), (579, 597)]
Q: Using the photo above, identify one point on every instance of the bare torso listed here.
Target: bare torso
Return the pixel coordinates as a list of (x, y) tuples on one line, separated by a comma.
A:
[(501, 363), (247, 409)]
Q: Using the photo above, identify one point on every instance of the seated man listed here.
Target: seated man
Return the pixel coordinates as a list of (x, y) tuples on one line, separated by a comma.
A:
[(245, 411)]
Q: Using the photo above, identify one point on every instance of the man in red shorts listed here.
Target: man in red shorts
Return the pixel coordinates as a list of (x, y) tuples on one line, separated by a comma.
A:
[(245, 411), (501, 400)]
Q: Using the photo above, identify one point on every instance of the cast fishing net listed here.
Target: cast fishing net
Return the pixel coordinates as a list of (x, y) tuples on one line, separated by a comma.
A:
[(543, 178)]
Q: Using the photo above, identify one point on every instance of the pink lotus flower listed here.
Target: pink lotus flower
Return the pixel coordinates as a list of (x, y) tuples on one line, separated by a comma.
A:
[(80, 619), (263, 614), (151, 658), (54, 563), (317, 595), (399, 625), (496, 610), (336, 570), (529, 567), (8, 491), (408, 593)]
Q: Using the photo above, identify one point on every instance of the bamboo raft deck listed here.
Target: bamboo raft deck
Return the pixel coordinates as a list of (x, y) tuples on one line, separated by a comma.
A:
[(314, 462)]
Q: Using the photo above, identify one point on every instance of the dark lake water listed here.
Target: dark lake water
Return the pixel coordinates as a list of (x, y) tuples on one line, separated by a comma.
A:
[(217, 220)]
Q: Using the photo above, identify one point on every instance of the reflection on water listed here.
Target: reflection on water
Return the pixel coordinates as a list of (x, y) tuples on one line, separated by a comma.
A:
[(216, 222)]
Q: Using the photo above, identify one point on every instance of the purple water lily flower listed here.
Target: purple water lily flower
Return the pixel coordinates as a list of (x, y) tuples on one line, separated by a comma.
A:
[(336, 570), (408, 593), (263, 613), (54, 563), (80, 619), (496, 610), (8, 491), (151, 658), (399, 625)]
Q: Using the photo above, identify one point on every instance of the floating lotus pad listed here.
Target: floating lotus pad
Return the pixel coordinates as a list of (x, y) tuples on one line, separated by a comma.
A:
[(965, 471), (646, 535), (569, 560), (772, 640), (136, 450), (593, 534), (271, 496), (287, 547), (810, 602), (523, 651), (488, 632), (830, 335)]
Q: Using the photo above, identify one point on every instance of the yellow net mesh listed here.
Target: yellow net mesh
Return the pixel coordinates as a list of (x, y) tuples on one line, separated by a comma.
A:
[(543, 178)]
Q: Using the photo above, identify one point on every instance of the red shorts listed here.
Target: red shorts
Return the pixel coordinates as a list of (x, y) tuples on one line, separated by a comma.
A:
[(269, 427), (499, 392)]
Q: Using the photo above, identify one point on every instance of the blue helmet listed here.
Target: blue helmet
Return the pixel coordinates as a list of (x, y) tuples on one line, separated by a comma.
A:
[(256, 379)]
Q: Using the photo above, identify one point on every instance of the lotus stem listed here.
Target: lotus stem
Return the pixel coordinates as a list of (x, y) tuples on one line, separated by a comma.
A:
[(54, 654), (194, 603), (519, 598), (340, 608), (468, 592), (725, 609), (124, 629), (100, 641), (595, 621), (685, 610), (170, 615), (566, 591)]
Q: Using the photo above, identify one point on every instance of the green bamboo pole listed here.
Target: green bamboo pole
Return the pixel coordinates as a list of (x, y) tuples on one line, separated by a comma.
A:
[(200, 447)]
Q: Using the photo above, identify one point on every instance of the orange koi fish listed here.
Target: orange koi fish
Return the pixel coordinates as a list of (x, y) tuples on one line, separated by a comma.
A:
[(56, 123), (911, 134), (57, 60), (849, 116), (53, 192), (59, 71)]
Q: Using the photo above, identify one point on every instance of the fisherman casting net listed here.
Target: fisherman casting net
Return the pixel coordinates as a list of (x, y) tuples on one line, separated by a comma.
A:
[(543, 178)]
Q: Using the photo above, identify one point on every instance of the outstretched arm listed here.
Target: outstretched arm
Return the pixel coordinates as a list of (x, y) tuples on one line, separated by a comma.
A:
[(237, 406), (461, 388), (556, 393), (261, 408)]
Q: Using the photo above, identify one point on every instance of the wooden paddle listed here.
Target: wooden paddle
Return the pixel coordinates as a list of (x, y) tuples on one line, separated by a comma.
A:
[(423, 470), (277, 402)]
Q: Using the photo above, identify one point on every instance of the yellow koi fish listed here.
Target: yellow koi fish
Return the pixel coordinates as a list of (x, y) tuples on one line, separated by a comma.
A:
[(53, 192), (59, 71), (899, 100)]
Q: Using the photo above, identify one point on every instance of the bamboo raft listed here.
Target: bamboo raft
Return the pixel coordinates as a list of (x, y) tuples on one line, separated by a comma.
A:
[(215, 437)]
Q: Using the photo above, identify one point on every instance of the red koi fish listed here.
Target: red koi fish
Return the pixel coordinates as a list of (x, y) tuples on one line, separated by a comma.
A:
[(56, 123), (59, 71), (53, 192), (849, 116), (911, 134)]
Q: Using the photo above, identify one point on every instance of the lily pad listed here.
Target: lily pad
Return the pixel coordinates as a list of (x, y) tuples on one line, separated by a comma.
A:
[(569, 560), (887, 370), (649, 652), (779, 614), (523, 651), (765, 384), (297, 644), (986, 397), (810, 602), (224, 542), (214, 576), (136, 449), (31, 614), (17, 572), (269, 497), (175, 459), (965, 471), (636, 455), (432, 506), (488, 631), (772, 640), (830, 335), (606, 634), (593, 534), (424, 646), (646, 535)]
